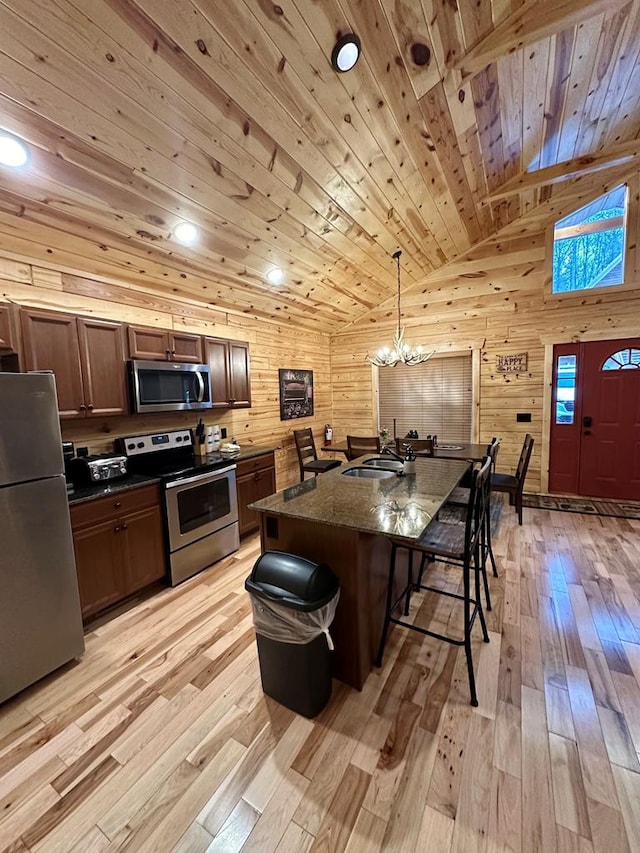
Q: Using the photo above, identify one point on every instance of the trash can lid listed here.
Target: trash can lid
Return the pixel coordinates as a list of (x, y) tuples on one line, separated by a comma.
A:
[(292, 581)]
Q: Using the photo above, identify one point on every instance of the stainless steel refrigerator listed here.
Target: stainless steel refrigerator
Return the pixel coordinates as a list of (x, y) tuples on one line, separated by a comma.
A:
[(40, 620)]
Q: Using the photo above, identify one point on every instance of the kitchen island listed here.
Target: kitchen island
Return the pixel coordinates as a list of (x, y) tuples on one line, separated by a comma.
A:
[(346, 521)]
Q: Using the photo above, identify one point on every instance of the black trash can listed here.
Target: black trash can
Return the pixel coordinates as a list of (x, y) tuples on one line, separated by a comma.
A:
[(294, 602)]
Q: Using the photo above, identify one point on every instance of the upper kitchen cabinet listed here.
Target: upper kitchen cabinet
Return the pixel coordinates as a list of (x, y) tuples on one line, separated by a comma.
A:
[(154, 344), (230, 373), (87, 357), (8, 342)]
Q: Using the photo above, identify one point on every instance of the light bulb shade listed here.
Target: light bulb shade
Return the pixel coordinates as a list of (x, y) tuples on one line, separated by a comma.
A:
[(275, 275), (346, 52), (185, 233), (13, 152)]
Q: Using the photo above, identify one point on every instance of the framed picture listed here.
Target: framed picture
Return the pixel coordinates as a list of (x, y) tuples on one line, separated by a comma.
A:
[(296, 394)]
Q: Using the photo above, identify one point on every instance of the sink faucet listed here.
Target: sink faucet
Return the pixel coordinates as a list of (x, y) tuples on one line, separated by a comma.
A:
[(390, 452)]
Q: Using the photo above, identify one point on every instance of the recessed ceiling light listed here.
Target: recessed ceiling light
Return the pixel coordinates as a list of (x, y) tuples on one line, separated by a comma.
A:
[(346, 52), (275, 275), (13, 152), (186, 233)]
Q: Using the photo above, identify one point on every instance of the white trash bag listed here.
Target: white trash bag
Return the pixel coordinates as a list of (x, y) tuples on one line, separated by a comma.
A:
[(286, 625)]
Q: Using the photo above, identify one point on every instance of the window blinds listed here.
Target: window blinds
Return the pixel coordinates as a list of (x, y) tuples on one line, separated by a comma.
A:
[(432, 398)]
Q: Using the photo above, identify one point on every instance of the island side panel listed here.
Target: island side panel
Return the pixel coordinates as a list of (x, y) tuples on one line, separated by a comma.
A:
[(360, 561)]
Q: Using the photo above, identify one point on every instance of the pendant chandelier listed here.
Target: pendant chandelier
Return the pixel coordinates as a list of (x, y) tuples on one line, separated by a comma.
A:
[(400, 352)]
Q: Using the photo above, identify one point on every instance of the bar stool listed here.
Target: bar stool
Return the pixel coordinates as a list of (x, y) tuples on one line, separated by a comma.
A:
[(460, 497), (453, 544)]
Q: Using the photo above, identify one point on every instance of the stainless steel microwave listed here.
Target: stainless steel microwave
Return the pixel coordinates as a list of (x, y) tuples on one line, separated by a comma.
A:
[(169, 386)]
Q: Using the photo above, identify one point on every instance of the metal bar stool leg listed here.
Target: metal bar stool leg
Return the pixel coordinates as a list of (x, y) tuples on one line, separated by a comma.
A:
[(410, 585), (483, 567), (467, 637), (489, 545), (476, 571)]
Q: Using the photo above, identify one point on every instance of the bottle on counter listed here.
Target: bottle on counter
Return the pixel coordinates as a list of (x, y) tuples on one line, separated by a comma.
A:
[(409, 465)]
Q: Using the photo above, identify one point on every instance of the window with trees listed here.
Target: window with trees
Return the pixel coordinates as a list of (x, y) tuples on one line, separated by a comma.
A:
[(588, 245)]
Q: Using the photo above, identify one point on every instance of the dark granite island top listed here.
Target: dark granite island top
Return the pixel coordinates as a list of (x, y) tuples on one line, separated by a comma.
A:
[(346, 523)]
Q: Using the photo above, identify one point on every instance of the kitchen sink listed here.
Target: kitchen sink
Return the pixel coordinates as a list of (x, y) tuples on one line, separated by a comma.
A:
[(371, 473), (384, 463)]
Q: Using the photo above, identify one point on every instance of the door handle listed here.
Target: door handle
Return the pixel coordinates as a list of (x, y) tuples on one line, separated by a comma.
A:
[(587, 423), (201, 386)]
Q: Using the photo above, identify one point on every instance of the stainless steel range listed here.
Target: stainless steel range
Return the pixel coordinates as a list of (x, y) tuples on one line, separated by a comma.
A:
[(201, 508)]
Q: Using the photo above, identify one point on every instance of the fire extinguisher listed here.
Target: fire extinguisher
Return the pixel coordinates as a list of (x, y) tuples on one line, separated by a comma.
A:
[(328, 434)]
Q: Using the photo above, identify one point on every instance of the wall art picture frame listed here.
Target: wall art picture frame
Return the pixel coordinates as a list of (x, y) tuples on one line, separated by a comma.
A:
[(512, 363), (296, 393)]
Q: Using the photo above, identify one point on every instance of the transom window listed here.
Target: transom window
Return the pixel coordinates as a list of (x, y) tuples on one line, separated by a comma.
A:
[(623, 360), (588, 245)]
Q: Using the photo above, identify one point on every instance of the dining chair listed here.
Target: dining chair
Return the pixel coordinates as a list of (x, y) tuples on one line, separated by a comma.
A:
[(358, 445), (457, 544), (513, 484), (308, 457), (423, 446)]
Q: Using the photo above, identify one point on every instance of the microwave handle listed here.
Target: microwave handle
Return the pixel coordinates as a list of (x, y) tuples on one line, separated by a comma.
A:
[(201, 384)]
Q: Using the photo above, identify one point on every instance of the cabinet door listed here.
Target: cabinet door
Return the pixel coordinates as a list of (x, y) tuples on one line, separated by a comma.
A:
[(51, 343), (251, 488), (239, 375), (101, 575), (103, 367), (7, 337), (217, 357), (143, 541), (148, 343), (185, 347)]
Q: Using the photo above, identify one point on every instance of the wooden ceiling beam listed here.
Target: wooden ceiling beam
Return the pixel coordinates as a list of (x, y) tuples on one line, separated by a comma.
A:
[(532, 21), (618, 155)]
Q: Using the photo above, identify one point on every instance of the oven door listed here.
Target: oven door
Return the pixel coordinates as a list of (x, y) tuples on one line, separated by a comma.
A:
[(200, 505)]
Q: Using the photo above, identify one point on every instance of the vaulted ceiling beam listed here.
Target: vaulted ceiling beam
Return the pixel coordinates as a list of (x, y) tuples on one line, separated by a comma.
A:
[(618, 155), (532, 21)]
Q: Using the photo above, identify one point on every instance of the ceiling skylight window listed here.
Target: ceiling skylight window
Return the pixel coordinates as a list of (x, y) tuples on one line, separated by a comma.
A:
[(186, 233), (13, 152)]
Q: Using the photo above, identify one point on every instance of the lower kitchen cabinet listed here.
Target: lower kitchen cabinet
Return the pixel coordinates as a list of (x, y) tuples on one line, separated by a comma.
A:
[(119, 546), (255, 479)]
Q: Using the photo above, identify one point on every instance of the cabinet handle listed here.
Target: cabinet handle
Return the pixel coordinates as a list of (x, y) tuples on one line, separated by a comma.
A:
[(82, 407), (258, 477), (117, 529), (117, 504), (123, 526), (90, 406)]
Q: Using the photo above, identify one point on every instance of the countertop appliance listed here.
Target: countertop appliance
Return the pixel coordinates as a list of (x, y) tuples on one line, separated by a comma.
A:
[(40, 619), (169, 386), (200, 501), (85, 470)]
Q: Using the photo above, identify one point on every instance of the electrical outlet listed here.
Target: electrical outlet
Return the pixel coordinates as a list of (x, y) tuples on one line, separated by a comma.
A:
[(223, 432)]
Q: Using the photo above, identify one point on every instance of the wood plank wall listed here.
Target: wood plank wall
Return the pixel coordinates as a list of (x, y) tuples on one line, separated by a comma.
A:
[(496, 301), (272, 346)]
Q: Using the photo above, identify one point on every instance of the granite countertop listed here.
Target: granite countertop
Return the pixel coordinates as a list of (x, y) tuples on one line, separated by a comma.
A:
[(398, 506), (103, 490), (134, 481)]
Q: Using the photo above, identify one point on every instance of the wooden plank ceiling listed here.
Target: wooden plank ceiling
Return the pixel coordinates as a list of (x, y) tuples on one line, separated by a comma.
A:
[(449, 132)]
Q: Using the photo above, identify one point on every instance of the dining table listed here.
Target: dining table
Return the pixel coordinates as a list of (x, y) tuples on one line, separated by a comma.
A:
[(466, 451)]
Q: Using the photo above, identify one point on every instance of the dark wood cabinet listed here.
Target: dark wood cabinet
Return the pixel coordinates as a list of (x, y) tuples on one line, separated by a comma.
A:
[(230, 373), (119, 546), (255, 479), (164, 345), (87, 357), (8, 337)]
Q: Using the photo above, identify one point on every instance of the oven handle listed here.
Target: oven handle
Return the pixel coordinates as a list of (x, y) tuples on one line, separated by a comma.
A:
[(201, 384), (201, 478)]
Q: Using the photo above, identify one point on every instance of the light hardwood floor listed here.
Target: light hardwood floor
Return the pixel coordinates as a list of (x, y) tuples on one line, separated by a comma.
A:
[(161, 739)]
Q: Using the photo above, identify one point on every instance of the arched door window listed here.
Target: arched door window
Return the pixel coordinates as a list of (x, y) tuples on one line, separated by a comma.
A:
[(624, 359)]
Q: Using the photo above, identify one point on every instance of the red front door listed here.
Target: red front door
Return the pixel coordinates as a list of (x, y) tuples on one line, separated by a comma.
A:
[(595, 429)]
